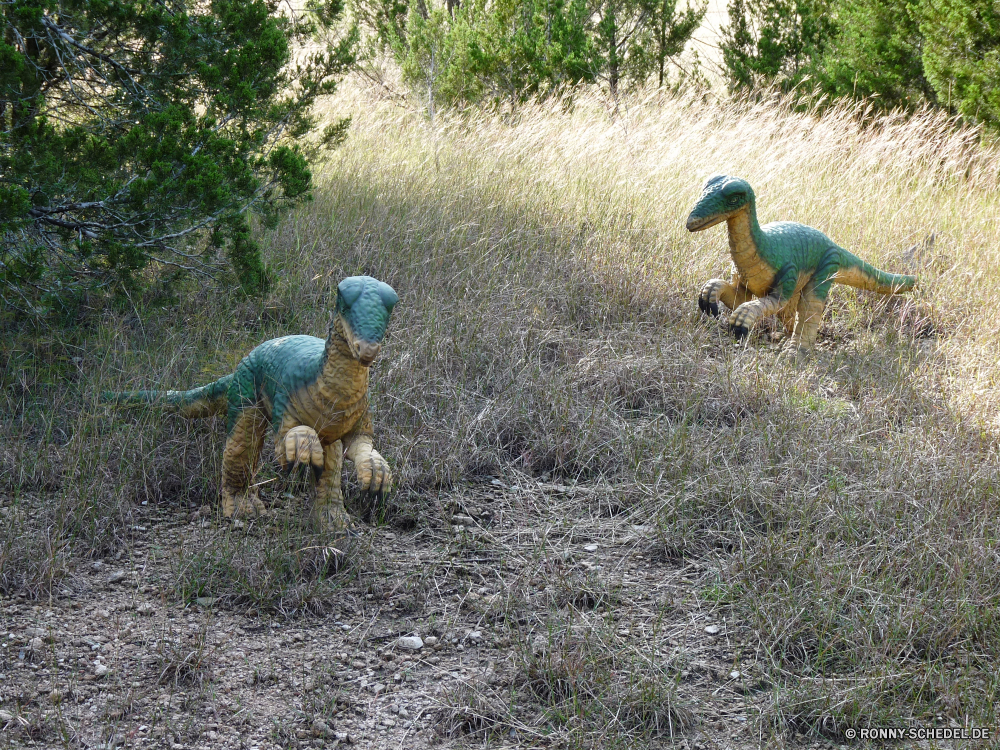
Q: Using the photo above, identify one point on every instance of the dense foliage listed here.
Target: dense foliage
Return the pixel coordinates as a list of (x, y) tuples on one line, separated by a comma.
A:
[(898, 53), (513, 50), (138, 132)]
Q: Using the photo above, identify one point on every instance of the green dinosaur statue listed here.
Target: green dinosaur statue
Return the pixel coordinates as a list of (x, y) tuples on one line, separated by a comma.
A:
[(313, 393), (783, 267)]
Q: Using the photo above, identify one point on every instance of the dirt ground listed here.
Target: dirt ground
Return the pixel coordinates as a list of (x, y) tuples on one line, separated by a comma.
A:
[(118, 661)]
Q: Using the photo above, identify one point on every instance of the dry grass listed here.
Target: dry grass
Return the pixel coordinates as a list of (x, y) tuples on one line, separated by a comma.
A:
[(548, 328)]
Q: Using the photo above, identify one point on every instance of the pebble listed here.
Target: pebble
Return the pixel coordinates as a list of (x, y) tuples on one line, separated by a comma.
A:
[(205, 601), (430, 641), (117, 576), (410, 643), (320, 728), (101, 669), (460, 520), (36, 644), (591, 548), (735, 674), (475, 636), (145, 609), (712, 629), (6, 716), (56, 696)]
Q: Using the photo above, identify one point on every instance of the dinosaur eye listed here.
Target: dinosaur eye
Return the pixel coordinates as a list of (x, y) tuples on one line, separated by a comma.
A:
[(734, 200)]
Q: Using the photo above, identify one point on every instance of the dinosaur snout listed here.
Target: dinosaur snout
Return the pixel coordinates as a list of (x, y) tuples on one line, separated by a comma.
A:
[(696, 223), (367, 352)]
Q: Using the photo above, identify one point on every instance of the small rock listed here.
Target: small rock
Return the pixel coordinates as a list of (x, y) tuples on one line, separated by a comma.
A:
[(104, 614), (591, 548), (205, 601), (735, 674), (430, 641), (6, 716), (117, 576), (97, 565), (34, 632), (410, 643), (36, 644), (101, 670), (320, 728), (460, 520), (343, 737), (378, 688), (145, 609), (475, 636), (238, 524), (56, 697), (712, 629)]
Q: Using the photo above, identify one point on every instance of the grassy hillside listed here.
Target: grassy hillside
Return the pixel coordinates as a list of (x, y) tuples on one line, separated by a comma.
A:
[(844, 510)]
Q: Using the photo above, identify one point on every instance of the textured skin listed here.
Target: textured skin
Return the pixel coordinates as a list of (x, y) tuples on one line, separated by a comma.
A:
[(782, 268), (311, 393)]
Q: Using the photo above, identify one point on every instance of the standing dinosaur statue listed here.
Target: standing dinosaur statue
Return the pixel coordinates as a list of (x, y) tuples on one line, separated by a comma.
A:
[(313, 393), (783, 267)]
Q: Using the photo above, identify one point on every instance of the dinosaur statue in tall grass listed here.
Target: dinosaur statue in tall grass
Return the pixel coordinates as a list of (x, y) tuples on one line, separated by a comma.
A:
[(783, 267), (312, 394)]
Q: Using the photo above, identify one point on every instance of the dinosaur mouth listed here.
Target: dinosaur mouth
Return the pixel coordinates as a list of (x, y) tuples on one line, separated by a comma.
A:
[(367, 353), (698, 223), (363, 351)]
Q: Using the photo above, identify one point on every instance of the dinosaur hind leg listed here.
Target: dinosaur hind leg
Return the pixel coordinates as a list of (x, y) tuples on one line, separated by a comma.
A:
[(328, 509), (812, 302), (239, 465), (809, 315)]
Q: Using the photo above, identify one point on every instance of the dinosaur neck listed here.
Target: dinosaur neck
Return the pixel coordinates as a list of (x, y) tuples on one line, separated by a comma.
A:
[(340, 368), (746, 240)]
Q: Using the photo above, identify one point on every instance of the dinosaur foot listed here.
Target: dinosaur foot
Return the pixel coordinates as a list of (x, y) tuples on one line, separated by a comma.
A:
[(334, 521), (794, 353), (249, 506)]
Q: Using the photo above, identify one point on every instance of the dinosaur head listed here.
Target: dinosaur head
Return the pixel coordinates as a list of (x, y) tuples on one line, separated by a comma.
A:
[(363, 308), (723, 197)]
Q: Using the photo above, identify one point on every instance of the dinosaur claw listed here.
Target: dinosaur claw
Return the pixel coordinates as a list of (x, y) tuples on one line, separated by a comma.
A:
[(740, 332), (317, 472), (707, 307)]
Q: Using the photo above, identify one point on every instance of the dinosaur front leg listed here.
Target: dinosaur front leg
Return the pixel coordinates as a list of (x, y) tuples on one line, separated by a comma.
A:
[(731, 294), (329, 511), (300, 446), (745, 317), (239, 465), (372, 470)]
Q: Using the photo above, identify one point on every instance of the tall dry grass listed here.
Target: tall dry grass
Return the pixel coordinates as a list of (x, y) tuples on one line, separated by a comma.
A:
[(846, 508)]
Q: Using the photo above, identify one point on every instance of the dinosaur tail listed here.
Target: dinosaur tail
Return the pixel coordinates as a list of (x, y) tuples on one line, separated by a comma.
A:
[(205, 401), (857, 273)]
